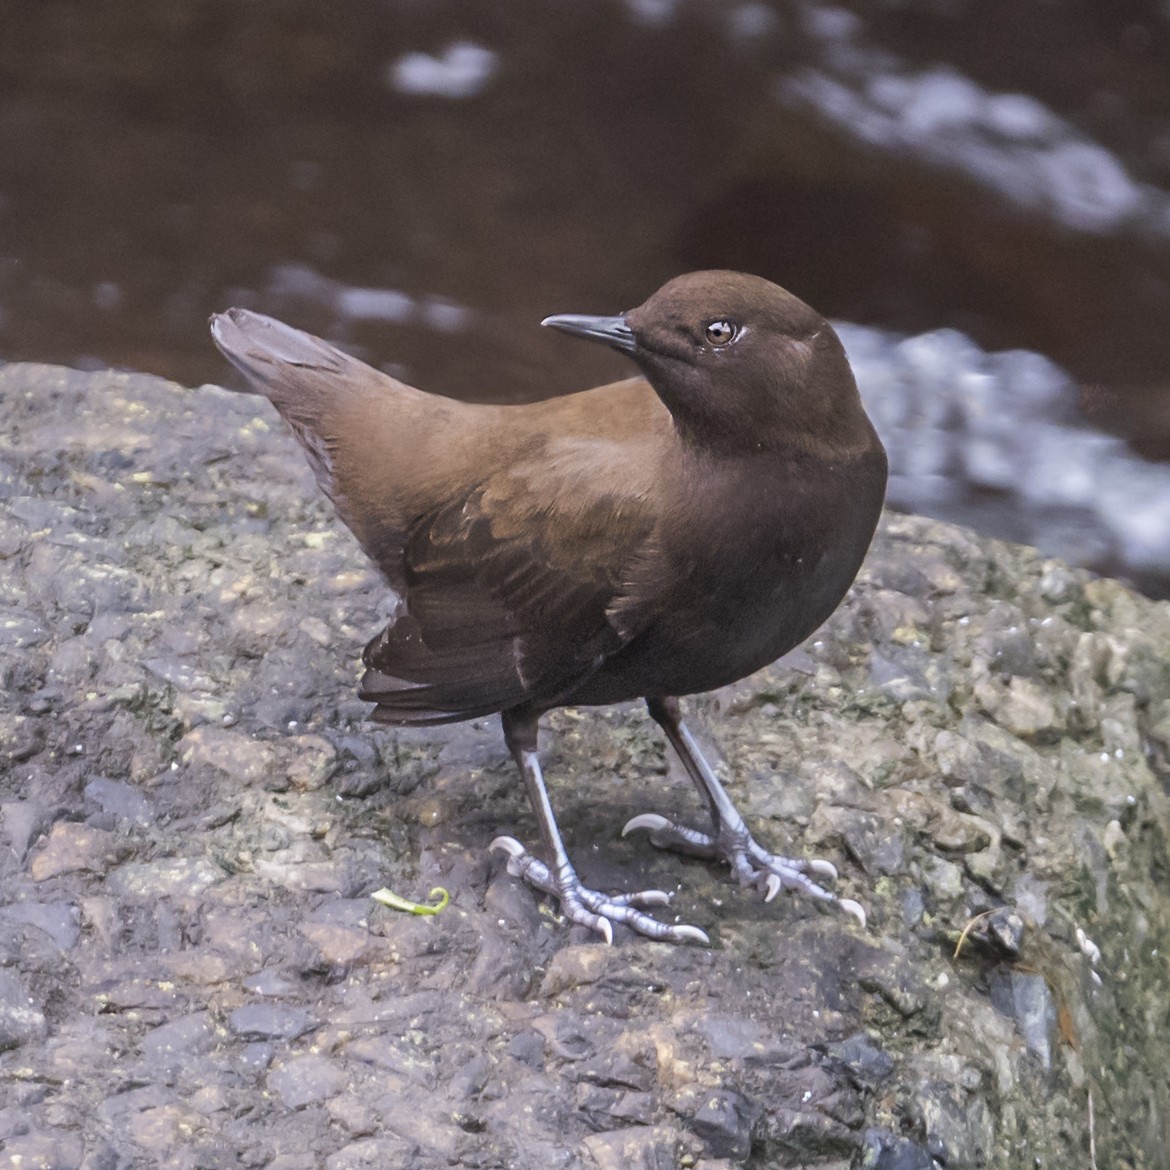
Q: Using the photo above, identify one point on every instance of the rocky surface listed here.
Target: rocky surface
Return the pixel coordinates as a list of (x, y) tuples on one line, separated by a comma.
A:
[(192, 973)]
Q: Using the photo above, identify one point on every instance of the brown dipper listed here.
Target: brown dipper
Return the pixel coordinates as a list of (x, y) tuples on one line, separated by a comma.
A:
[(647, 539)]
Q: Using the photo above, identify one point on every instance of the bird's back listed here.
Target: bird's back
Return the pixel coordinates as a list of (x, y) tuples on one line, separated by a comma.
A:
[(505, 530)]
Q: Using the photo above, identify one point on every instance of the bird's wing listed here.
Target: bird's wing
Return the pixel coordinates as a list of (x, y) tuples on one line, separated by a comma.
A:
[(506, 531), (508, 587)]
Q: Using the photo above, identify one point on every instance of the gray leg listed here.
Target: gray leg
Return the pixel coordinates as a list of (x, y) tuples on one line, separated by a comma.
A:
[(578, 903), (730, 839)]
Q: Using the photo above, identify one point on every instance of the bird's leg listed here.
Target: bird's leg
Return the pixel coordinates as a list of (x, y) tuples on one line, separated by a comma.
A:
[(578, 903), (730, 839)]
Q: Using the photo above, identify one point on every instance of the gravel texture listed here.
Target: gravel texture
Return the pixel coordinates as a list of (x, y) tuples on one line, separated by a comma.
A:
[(194, 813)]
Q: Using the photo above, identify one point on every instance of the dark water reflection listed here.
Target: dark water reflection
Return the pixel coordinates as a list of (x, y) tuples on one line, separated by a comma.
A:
[(159, 161)]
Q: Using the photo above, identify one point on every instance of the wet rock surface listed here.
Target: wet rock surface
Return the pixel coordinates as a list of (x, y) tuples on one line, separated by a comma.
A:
[(194, 813)]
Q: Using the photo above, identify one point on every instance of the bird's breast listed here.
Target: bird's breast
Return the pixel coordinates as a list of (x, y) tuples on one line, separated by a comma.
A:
[(748, 570)]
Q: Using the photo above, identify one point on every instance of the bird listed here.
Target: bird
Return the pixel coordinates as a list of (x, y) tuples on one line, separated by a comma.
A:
[(648, 539)]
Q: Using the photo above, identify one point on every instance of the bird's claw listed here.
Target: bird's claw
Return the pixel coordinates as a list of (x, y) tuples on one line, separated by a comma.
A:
[(590, 908), (650, 821), (772, 883), (749, 862), (854, 908), (667, 835)]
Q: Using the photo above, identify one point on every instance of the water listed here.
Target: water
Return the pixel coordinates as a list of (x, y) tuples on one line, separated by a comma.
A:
[(424, 181), (992, 440)]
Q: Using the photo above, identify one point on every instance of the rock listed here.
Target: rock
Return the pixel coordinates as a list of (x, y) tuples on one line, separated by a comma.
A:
[(868, 1065), (635, 1148), (725, 1121), (24, 822), (262, 1021), (887, 1152), (59, 921), (1025, 998), (172, 877), (120, 800), (369, 1153), (21, 1021), (892, 976), (44, 1151), (233, 752), (71, 847), (1022, 707), (191, 970), (340, 946), (314, 760), (305, 1080), (176, 1041)]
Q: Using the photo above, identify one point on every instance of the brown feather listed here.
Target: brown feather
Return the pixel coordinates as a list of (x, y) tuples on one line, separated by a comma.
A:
[(627, 540), (505, 585)]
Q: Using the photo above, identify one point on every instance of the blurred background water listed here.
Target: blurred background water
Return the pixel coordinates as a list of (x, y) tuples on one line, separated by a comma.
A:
[(978, 190)]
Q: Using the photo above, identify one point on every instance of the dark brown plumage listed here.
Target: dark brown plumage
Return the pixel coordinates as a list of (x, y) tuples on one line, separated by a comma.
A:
[(652, 538)]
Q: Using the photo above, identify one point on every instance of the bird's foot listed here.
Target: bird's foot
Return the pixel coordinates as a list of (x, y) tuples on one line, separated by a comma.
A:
[(589, 907), (751, 864)]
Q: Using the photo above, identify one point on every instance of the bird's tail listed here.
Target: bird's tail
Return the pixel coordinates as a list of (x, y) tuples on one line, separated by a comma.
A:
[(278, 360), (308, 380)]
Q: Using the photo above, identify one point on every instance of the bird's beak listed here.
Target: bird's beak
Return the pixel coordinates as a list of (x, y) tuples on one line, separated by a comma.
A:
[(613, 331)]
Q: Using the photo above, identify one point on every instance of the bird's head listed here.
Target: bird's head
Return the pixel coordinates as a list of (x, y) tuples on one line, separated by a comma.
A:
[(741, 363)]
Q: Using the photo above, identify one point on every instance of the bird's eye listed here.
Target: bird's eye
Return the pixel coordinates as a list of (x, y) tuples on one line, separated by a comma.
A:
[(722, 332)]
